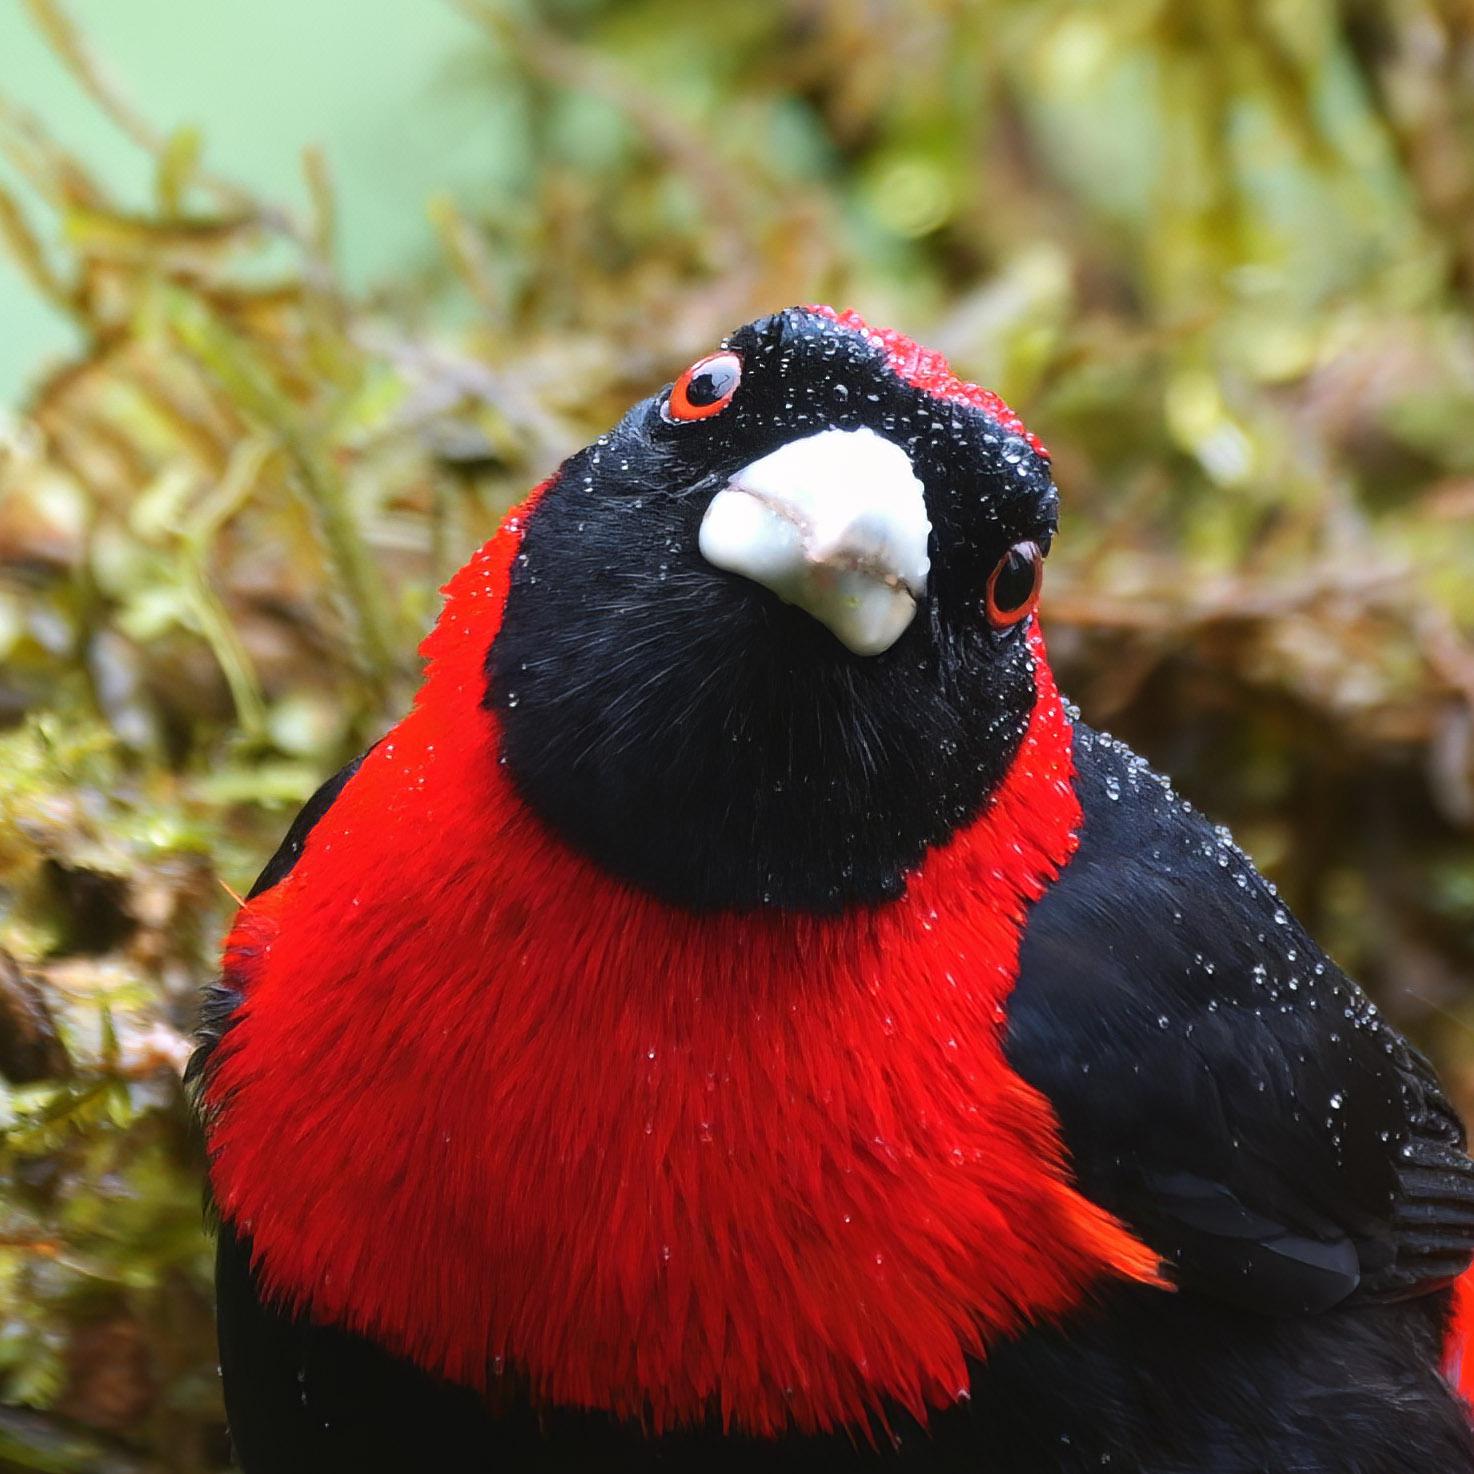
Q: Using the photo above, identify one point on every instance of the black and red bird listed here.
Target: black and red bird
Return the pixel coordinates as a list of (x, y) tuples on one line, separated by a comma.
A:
[(741, 1019)]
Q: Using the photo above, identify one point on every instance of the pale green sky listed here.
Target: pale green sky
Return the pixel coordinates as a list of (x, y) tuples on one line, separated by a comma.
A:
[(382, 85)]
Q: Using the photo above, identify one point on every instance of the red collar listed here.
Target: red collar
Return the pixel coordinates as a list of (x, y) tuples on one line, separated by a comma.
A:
[(487, 1105)]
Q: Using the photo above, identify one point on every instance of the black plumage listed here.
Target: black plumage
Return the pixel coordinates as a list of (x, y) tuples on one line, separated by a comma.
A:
[(1221, 1086), (1286, 1150)]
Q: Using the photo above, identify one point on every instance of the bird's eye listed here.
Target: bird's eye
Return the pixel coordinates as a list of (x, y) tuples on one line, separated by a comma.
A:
[(705, 389), (1013, 586)]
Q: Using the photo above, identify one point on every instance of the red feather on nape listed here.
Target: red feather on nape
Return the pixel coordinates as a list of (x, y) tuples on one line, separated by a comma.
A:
[(927, 370)]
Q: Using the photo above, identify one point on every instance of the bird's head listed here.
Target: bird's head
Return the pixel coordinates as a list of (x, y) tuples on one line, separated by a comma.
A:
[(769, 638)]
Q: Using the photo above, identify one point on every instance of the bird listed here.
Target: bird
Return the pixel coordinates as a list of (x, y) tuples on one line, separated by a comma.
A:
[(742, 1017)]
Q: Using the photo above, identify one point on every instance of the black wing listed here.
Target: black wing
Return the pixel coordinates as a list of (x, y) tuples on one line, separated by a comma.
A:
[(1221, 1084), (302, 1398)]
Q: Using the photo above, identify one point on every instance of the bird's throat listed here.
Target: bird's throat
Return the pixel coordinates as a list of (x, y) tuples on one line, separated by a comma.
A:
[(491, 1106)]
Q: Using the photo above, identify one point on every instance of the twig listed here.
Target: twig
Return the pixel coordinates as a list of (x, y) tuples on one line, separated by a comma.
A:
[(441, 379), (466, 252), (54, 173), (30, 256), (197, 537), (30, 1047), (27, 1435), (66, 41), (324, 233), (235, 366), (549, 56)]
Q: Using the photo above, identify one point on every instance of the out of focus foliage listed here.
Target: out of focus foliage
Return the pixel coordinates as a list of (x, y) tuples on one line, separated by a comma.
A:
[(1219, 252)]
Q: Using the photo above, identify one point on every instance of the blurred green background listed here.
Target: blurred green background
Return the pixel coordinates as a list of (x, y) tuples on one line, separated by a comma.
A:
[(296, 298)]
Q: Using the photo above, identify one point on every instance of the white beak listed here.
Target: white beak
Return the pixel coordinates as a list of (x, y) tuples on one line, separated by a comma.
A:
[(835, 524)]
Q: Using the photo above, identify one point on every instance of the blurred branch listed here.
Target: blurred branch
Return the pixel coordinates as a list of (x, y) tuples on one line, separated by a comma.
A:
[(53, 173), (196, 536), (71, 49), (324, 233), (465, 248), (1449, 653), (30, 1048), (683, 147), (1224, 600), (30, 256), (68, 44), (246, 378), (40, 1442), (441, 379), (550, 57)]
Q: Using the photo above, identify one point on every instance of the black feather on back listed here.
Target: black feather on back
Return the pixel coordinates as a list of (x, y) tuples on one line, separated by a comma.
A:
[(1263, 1204), (1222, 1085)]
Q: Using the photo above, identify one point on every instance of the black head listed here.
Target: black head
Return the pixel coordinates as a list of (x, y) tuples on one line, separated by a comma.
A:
[(702, 736)]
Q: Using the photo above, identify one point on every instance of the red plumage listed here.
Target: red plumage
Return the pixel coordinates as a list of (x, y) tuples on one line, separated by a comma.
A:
[(930, 371), (1459, 1346), (433, 1138)]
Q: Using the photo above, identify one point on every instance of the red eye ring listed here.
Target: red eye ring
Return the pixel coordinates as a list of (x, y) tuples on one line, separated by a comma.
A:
[(1013, 585), (705, 389)]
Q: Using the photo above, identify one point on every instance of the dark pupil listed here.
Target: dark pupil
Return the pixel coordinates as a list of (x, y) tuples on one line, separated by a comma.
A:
[(1014, 585), (714, 382)]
